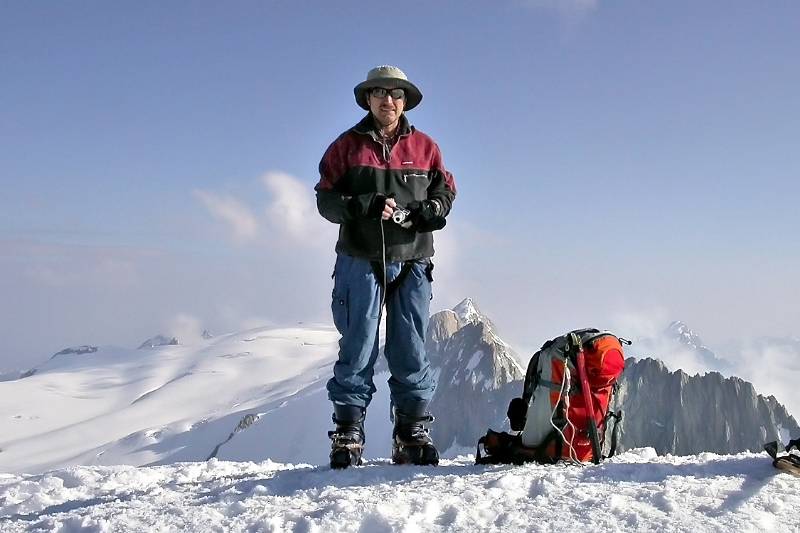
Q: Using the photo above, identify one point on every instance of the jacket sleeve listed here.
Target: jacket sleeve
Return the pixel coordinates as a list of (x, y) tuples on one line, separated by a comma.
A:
[(339, 208), (443, 185), (333, 206), (332, 203)]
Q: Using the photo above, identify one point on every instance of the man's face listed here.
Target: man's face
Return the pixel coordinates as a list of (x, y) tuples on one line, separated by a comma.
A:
[(385, 107)]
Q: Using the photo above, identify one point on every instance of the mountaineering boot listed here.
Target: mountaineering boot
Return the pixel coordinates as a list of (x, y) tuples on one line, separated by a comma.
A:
[(788, 462), (347, 440), (411, 443)]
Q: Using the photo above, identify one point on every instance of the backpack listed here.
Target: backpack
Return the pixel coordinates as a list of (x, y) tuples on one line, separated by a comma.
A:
[(564, 409)]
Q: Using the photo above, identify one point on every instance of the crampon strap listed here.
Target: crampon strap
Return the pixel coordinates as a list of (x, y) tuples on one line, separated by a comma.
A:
[(793, 444)]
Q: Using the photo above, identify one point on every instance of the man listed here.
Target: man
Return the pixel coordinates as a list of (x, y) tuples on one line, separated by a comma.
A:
[(384, 183)]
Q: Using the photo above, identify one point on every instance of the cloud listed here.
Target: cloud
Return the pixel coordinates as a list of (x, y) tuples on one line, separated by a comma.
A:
[(449, 285), (242, 223), (566, 8), (60, 266), (186, 328), (289, 215), (255, 323), (648, 331), (647, 324), (292, 209), (233, 317), (771, 365), (571, 14)]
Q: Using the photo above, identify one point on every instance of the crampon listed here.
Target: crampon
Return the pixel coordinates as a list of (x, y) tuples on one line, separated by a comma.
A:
[(345, 451)]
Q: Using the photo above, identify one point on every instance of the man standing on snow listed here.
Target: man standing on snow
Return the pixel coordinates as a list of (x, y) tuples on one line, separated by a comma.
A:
[(384, 183)]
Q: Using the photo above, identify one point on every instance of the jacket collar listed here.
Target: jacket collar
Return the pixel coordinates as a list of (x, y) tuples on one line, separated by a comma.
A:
[(367, 126)]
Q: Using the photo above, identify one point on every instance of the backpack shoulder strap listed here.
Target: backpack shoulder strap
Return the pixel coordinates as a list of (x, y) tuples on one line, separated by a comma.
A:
[(531, 377)]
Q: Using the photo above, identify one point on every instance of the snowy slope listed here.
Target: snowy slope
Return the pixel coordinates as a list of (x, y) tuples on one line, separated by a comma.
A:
[(178, 403), (636, 491), (258, 397)]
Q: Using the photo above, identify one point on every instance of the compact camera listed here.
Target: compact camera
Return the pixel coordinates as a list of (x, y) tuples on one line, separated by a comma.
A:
[(400, 214)]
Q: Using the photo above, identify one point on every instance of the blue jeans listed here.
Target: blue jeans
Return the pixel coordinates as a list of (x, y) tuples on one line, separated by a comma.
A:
[(356, 310)]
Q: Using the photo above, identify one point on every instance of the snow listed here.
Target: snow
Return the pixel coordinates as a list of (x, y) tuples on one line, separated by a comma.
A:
[(169, 403), (466, 312), (182, 403), (634, 491), (474, 361), (121, 440), (786, 436)]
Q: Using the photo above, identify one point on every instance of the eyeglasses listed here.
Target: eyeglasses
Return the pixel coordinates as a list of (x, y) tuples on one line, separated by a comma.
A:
[(380, 92)]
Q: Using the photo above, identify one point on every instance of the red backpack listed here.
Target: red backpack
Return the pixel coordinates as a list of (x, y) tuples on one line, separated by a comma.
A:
[(564, 409)]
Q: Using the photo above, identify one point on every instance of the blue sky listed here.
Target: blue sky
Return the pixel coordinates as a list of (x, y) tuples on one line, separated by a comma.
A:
[(614, 159)]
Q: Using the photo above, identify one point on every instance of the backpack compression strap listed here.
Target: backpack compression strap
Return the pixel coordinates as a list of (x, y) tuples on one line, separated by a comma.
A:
[(614, 432)]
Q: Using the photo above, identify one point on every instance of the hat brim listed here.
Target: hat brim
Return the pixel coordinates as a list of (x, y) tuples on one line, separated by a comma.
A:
[(413, 95)]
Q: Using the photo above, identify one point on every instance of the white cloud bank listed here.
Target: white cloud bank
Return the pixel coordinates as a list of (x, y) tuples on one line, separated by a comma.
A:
[(292, 209), (570, 11), (289, 215), (186, 328), (237, 217)]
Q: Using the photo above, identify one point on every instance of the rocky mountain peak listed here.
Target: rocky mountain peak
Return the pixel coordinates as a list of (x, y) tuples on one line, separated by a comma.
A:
[(468, 312), (466, 324), (76, 350), (475, 367), (681, 414), (159, 340), (442, 326), (680, 338), (681, 332)]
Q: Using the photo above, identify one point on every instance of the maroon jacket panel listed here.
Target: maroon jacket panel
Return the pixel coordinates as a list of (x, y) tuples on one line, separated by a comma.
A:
[(358, 165)]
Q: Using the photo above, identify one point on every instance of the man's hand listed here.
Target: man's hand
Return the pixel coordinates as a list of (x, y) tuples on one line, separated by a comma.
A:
[(388, 208), (424, 216), (378, 205)]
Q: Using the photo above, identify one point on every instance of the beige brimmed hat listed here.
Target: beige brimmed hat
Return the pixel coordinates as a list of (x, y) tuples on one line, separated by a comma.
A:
[(388, 77)]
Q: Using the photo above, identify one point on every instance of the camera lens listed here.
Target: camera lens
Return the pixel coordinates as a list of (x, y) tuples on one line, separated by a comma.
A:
[(399, 216)]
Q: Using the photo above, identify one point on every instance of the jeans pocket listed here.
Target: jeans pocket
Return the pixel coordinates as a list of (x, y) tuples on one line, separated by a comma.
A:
[(339, 311), (339, 295)]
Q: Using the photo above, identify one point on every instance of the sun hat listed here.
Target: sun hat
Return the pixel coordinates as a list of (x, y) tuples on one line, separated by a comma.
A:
[(388, 77)]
